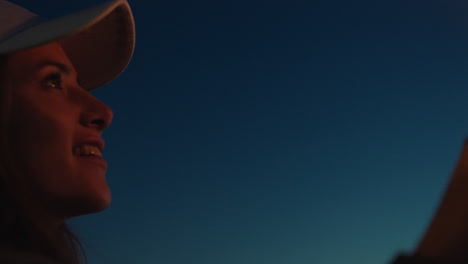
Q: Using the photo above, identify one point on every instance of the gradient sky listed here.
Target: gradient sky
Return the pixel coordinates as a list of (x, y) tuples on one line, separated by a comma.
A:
[(279, 132)]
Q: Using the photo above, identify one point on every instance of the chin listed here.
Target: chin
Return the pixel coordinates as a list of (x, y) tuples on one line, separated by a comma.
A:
[(94, 200), (83, 205), (95, 204)]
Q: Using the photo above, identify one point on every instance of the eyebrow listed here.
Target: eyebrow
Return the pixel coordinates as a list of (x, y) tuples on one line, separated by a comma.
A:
[(61, 66)]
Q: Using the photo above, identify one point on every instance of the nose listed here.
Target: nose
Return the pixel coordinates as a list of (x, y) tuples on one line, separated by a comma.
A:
[(96, 114)]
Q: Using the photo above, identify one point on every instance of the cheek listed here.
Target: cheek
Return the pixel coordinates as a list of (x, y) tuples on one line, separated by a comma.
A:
[(42, 146), (41, 136)]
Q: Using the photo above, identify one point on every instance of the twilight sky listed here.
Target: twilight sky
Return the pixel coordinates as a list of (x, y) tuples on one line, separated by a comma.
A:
[(279, 132)]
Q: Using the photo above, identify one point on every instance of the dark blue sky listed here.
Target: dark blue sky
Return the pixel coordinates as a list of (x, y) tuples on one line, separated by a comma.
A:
[(280, 132)]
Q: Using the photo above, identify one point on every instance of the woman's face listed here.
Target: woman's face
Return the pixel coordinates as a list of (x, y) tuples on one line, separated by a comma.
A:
[(52, 116)]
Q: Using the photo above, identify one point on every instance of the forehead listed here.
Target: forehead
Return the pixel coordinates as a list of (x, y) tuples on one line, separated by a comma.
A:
[(26, 61)]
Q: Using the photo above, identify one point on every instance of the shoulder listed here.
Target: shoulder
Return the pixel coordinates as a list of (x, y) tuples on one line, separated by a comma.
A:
[(13, 256), (412, 259)]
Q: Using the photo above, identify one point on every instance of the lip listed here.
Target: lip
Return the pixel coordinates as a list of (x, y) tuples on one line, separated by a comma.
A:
[(94, 160), (95, 141)]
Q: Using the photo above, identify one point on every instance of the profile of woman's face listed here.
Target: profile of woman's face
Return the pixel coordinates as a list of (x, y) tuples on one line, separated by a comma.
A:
[(53, 116)]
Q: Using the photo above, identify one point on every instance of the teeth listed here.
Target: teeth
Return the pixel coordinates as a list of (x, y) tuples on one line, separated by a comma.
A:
[(87, 150)]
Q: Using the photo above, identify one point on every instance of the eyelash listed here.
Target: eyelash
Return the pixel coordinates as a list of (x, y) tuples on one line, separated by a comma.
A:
[(56, 77)]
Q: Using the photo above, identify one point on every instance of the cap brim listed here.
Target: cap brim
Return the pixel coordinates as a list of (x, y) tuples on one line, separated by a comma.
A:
[(99, 41)]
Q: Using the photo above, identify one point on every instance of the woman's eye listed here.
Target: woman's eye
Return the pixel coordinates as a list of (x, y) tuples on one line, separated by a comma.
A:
[(53, 81)]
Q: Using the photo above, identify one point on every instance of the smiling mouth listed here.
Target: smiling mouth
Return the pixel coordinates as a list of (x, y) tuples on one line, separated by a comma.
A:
[(90, 151), (87, 150)]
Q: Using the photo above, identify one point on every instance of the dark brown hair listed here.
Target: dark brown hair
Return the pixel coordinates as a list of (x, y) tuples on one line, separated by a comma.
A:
[(19, 229)]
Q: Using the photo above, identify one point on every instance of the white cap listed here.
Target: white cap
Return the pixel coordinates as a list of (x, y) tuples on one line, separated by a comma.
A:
[(99, 41)]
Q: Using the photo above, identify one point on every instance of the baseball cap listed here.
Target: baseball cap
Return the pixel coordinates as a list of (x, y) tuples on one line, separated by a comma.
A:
[(99, 40)]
